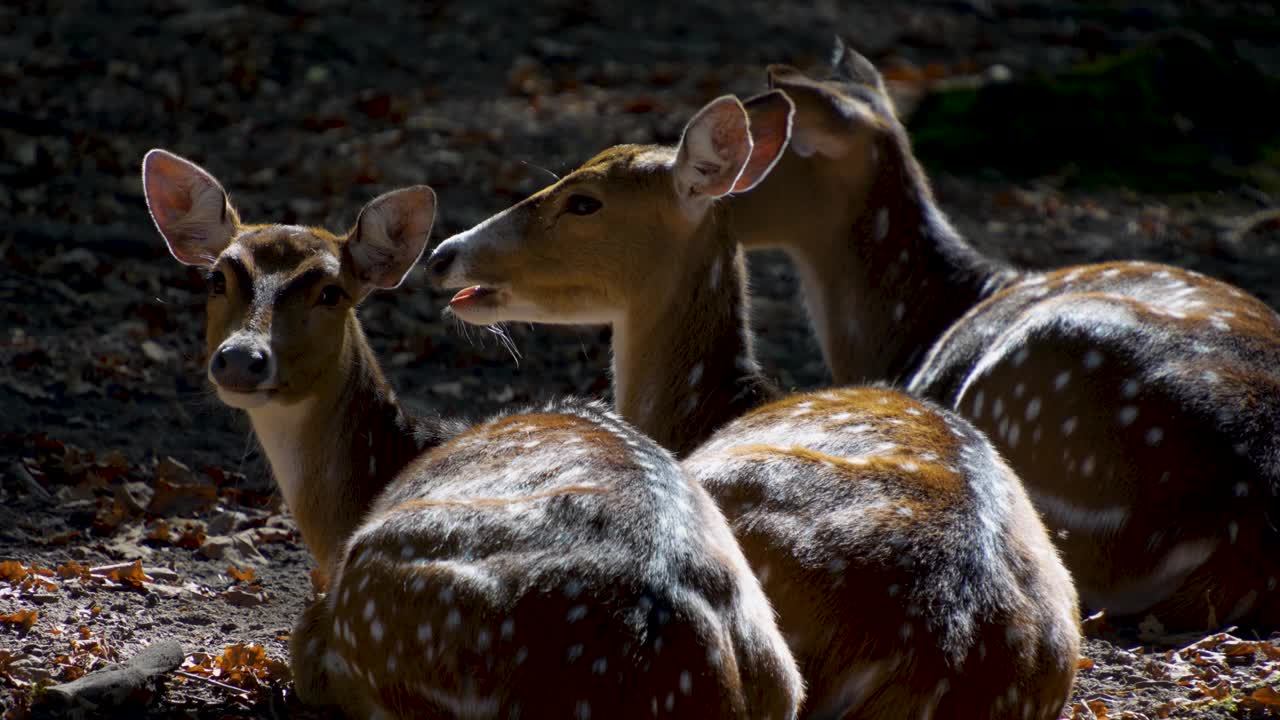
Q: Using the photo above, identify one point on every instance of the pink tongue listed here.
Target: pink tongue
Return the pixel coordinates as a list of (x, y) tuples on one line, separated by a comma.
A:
[(468, 293)]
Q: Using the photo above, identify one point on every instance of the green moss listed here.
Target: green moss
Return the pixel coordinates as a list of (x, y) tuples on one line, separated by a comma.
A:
[(1176, 114)]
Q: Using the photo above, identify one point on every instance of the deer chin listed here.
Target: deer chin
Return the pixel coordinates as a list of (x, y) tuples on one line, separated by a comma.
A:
[(245, 399), (481, 304), (490, 305)]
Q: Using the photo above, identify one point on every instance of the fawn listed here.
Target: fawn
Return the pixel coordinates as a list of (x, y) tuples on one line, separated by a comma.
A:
[(911, 573), (552, 563), (1139, 402)]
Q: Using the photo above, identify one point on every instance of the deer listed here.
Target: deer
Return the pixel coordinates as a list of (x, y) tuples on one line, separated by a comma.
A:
[(911, 575), (549, 561), (1139, 402)]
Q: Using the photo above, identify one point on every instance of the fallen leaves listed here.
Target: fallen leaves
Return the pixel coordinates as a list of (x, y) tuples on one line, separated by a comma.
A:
[(36, 582), (245, 671), (247, 593), (26, 619), (246, 575), (131, 575), (1221, 670), (27, 578), (1264, 696)]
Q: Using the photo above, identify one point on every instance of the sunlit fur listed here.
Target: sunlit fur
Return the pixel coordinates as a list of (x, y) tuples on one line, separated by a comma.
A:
[(911, 576), (552, 562), (1140, 402)]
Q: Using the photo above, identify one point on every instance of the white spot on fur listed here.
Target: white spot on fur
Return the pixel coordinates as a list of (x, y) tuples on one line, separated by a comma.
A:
[(1127, 415), (695, 375), (1067, 514), (882, 223), (1069, 426), (1092, 360)]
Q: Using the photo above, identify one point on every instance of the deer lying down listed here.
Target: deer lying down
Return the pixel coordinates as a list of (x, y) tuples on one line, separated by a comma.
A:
[(552, 562), (1139, 402), (911, 575)]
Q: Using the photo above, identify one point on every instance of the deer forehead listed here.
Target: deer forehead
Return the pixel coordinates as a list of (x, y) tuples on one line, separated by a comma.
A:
[(285, 249), (626, 161)]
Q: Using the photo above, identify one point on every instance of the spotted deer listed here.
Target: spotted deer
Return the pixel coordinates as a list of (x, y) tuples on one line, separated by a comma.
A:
[(1139, 402), (548, 563), (911, 575)]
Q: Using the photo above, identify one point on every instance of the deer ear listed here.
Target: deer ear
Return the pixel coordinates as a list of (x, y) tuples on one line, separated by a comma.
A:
[(713, 151), (770, 117), (849, 65), (189, 207), (826, 122), (390, 235)]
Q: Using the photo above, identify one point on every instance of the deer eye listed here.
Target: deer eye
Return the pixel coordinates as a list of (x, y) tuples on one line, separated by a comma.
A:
[(583, 204), (217, 283), (331, 295)]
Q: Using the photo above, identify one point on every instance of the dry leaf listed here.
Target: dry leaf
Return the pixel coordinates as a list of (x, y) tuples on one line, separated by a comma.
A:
[(130, 575), (74, 570), (13, 571), (192, 537), (182, 498), (245, 576), (159, 531), (26, 618), (1265, 696), (1084, 663)]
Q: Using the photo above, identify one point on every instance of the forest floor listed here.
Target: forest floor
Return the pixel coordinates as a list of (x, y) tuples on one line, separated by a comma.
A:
[(134, 508)]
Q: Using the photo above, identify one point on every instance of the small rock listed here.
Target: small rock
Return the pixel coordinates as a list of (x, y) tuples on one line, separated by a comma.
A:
[(452, 389), (157, 353), (78, 259), (244, 598), (317, 74), (227, 522), (26, 153)]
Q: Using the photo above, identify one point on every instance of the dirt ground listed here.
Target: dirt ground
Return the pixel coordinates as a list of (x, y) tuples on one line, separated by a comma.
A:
[(112, 448)]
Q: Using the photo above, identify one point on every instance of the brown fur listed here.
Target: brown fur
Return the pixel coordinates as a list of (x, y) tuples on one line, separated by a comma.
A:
[(1150, 469), (551, 564), (911, 576)]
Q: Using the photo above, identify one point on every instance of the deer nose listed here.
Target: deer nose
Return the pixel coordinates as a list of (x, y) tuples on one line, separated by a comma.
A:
[(242, 366), (439, 263)]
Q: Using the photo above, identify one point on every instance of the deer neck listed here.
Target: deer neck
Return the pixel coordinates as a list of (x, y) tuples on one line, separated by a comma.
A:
[(332, 452), (683, 364), (897, 279)]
